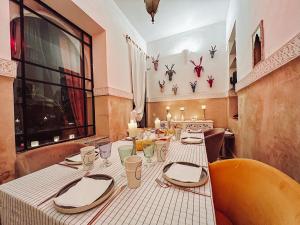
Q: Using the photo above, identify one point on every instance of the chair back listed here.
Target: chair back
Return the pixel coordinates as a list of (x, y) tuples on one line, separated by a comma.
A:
[(213, 141), (37, 159), (253, 193)]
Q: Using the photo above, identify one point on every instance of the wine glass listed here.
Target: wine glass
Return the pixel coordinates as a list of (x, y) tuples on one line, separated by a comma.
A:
[(148, 149), (105, 152), (124, 152)]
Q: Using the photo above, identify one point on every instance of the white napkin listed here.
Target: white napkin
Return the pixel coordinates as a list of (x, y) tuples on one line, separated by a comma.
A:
[(191, 140), (184, 173), (85, 192), (75, 158)]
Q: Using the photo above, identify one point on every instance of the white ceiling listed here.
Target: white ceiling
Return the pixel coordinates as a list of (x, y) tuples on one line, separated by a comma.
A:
[(173, 16)]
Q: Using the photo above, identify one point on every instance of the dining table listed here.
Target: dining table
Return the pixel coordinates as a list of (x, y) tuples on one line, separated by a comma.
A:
[(20, 199)]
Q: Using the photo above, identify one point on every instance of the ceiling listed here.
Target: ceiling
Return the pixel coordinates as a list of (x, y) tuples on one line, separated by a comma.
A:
[(173, 16)]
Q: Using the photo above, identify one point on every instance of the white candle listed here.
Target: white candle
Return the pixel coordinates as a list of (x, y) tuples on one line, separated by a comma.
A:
[(132, 128), (169, 117), (34, 143), (157, 123), (168, 108), (203, 106), (181, 108), (56, 138)]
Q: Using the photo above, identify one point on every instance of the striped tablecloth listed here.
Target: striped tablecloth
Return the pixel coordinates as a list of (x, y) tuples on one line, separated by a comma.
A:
[(149, 204)]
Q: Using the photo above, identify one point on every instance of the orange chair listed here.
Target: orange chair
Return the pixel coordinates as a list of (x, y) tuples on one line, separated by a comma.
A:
[(43, 157), (248, 192)]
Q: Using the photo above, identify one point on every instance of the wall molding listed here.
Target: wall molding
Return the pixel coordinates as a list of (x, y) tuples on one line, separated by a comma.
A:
[(8, 68), (282, 56), (105, 91), (194, 96)]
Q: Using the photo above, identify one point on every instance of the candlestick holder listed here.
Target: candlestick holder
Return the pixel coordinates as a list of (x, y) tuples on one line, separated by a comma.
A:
[(134, 146), (204, 118)]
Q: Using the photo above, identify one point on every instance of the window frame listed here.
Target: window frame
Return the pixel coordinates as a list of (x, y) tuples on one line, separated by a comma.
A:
[(23, 78)]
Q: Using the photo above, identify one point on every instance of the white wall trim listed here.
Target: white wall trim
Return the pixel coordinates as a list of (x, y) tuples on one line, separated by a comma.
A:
[(282, 56), (195, 96), (103, 91), (8, 68)]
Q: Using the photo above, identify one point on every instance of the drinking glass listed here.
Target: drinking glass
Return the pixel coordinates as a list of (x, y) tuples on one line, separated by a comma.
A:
[(148, 149), (105, 152), (124, 152)]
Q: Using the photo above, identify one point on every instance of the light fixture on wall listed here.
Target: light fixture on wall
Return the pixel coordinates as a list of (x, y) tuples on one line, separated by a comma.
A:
[(151, 7)]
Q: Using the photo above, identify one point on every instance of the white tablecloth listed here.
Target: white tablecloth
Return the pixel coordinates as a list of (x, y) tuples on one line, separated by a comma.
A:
[(149, 204)]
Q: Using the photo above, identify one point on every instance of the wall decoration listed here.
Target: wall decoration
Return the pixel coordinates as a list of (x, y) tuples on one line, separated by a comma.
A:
[(175, 89), (210, 81), (155, 62), (213, 51), (151, 7), (233, 79), (258, 44), (162, 86), (170, 72), (198, 68), (193, 86)]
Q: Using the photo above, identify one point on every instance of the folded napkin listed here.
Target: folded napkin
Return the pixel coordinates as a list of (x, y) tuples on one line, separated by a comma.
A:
[(75, 158), (184, 173), (195, 131), (85, 192), (191, 140)]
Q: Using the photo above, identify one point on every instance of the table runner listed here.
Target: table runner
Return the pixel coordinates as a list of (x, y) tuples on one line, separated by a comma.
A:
[(149, 204)]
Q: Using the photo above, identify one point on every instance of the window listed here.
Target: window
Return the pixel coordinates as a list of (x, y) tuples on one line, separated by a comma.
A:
[(53, 92)]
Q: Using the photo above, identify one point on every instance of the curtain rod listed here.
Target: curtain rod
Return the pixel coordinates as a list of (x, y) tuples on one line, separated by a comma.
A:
[(128, 38)]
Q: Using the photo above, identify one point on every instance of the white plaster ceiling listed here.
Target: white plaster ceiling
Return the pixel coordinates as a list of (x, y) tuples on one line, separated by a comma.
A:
[(173, 16)]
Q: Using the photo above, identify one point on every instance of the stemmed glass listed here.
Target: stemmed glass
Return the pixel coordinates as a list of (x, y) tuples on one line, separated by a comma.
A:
[(148, 149), (105, 152), (124, 152)]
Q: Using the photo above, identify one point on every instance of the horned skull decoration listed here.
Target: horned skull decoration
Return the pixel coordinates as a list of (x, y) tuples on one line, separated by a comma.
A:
[(210, 81), (213, 51), (193, 86), (175, 89), (170, 72), (155, 62), (198, 68), (162, 86)]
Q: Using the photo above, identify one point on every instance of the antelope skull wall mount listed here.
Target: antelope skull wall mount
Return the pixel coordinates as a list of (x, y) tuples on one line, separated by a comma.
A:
[(193, 86), (175, 89), (155, 62), (213, 51), (170, 72), (210, 81), (162, 86), (198, 68)]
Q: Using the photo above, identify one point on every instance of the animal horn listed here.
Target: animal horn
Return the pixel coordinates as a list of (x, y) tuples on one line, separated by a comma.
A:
[(201, 59)]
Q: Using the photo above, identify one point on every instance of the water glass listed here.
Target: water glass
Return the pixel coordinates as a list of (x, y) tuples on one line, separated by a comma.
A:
[(88, 157), (105, 152), (178, 134), (124, 152), (148, 149)]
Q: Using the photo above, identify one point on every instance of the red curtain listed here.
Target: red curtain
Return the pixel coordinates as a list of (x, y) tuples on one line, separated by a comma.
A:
[(76, 99)]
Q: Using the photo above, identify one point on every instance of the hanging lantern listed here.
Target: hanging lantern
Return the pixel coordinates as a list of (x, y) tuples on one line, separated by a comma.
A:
[(151, 7)]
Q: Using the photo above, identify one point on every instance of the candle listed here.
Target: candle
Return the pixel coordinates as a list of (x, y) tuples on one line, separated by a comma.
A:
[(181, 108), (56, 138), (169, 117), (34, 143), (168, 108), (132, 128), (203, 106), (157, 123)]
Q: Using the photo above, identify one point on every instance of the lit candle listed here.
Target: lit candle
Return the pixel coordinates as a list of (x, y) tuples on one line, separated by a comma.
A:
[(71, 136), (132, 128), (203, 106), (168, 108), (169, 117), (34, 143), (56, 138), (181, 108), (157, 123)]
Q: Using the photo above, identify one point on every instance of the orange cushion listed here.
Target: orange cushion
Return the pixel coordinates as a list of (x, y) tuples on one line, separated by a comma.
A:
[(222, 219)]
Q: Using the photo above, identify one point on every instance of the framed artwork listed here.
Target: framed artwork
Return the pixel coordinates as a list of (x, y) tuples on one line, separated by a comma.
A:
[(258, 44)]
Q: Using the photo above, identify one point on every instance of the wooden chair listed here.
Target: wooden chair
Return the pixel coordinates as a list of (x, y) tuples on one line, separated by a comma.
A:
[(43, 157), (250, 192), (214, 139)]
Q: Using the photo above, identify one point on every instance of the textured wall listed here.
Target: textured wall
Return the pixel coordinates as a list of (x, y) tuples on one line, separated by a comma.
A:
[(268, 128), (216, 110), (7, 130)]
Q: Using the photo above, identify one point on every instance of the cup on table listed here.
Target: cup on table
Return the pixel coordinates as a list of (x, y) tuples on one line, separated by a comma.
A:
[(87, 157), (178, 134), (124, 151), (105, 152), (161, 149), (148, 149), (133, 168)]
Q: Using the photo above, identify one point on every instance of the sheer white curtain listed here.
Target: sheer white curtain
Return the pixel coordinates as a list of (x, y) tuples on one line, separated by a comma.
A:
[(138, 77)]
